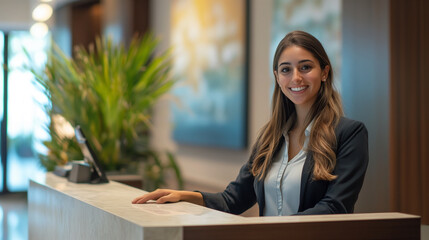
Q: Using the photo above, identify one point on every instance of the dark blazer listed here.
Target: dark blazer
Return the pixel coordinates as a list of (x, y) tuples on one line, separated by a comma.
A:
[(316, 197)]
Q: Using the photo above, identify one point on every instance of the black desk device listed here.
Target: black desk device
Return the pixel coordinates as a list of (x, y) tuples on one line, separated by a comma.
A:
[(97, 173)]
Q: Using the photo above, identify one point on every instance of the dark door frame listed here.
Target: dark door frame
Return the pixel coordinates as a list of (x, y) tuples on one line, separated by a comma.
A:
[(3, 132)]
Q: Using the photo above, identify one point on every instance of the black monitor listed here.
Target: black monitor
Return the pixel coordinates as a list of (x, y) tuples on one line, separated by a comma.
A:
[(98, 174)]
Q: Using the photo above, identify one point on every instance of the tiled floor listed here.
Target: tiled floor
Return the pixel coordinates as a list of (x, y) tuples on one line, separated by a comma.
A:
[(13, 216)]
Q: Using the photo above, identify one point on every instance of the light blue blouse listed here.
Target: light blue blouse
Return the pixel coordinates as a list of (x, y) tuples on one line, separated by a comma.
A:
[(282, 185)]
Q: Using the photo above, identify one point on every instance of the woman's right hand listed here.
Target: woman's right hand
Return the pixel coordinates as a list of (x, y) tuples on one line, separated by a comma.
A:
[(160, 195), (168, 195)]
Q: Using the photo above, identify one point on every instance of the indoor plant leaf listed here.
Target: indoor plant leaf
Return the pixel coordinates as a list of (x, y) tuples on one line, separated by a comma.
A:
[(109, 90)]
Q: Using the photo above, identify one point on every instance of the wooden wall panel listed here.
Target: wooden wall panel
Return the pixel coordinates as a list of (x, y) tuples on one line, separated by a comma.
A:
[(85, 23), (140, 21), (80, 22), (392, 229), (424, 106), (409, 107)]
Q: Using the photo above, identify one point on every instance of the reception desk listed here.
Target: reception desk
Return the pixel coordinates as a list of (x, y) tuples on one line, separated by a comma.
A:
[(58, 209)]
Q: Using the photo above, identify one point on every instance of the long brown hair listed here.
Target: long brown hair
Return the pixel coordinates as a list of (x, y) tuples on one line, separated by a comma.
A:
[(325, 114)]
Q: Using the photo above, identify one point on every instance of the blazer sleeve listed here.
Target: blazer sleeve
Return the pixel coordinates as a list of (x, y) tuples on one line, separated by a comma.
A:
[(238, 196), (352, 161)]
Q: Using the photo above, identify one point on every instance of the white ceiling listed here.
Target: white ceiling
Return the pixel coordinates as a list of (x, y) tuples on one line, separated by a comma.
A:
[(16, 14)]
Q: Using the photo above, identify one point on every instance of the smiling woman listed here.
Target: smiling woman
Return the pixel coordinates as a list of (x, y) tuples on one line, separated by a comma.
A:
[(299, 75), (308, 158)]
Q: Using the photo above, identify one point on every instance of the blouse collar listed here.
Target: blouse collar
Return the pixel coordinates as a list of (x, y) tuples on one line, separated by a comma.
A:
[(289, 125)]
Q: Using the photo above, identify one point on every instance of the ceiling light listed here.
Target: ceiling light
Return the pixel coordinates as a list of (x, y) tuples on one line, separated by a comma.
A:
[(42, 12), (39, 29)]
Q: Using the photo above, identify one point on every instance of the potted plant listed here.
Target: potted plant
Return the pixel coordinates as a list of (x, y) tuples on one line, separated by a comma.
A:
[(109, 90)]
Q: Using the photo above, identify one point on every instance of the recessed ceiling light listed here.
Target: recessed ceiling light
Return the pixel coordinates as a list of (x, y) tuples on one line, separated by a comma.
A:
[(42, 12), (39, 29)]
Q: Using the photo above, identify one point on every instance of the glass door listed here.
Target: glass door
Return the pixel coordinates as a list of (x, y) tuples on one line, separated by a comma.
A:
[(24, 111)]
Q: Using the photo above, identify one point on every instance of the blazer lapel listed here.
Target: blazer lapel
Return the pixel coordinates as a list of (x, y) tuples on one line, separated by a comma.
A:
[(305, 177), (260, 195)]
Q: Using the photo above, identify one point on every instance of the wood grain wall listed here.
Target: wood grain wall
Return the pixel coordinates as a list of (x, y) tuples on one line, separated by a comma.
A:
[(79, 23), (409, 106)]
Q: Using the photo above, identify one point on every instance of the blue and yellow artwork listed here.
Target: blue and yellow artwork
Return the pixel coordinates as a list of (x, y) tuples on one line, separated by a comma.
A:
[(321, 18), (209, 44)]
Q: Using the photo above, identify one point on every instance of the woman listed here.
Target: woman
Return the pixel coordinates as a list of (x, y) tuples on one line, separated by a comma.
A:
[(308, 158)]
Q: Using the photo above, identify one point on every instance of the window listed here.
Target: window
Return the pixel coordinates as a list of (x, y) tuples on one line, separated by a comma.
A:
[(26, 119)]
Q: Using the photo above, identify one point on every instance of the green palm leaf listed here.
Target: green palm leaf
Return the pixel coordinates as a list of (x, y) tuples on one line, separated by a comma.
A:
[(109, 90)]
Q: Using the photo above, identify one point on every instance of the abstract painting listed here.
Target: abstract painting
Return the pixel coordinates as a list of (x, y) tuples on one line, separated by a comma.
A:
[(209, 41), (321, 18)]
